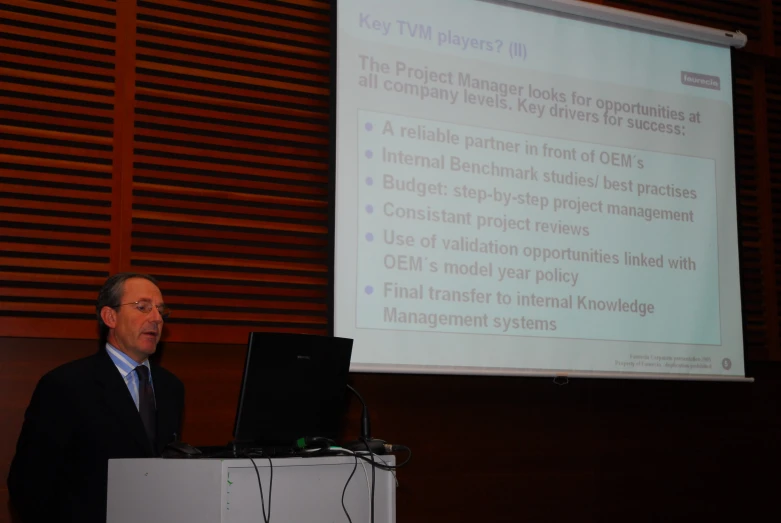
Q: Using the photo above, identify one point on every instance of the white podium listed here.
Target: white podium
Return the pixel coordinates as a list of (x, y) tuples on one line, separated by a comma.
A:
[(226, 490)]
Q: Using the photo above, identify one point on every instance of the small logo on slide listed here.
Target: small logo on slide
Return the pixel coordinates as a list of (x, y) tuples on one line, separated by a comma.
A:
[(726, 363), (705, 81)]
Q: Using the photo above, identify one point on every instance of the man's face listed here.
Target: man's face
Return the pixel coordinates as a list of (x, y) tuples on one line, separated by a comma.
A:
[(130, 330)]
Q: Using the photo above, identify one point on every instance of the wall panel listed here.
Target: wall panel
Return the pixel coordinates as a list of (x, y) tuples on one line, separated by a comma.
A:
[(230, 186), (773, 104), (57, 81)]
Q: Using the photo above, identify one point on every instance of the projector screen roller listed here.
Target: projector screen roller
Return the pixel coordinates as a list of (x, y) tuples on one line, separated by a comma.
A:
[(524, 192)]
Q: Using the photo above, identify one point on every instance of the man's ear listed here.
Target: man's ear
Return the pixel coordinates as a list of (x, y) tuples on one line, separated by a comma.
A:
[(109, 316)]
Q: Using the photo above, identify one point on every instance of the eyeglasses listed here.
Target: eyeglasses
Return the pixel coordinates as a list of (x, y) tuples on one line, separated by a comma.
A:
[(145, 307)]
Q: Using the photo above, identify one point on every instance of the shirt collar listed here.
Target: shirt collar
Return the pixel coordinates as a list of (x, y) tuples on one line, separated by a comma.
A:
[(123, 362)]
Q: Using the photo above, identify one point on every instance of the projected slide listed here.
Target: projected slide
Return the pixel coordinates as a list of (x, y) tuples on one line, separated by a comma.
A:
[(523, 192)]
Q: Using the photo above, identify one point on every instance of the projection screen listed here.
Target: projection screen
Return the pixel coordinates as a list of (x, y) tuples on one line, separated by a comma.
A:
[(525, 191)]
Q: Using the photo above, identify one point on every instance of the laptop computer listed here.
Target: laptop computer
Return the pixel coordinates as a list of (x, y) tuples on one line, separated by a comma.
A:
[(293, 387)]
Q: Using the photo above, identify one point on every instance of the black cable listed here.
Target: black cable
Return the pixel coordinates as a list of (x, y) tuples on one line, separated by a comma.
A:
[(345, 488), (266, 519), (390, 467), (395, 448), (366, 430), (371, 455), (347, 452), (270, 484)]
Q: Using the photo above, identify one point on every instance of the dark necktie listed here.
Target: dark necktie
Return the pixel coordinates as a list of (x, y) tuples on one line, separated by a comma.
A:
[(146, 402)]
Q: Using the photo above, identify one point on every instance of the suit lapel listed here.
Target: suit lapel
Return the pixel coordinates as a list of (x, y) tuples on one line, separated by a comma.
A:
[(118, 398)]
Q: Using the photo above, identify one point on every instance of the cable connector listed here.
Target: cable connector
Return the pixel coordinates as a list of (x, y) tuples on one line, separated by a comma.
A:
[(393, 448)]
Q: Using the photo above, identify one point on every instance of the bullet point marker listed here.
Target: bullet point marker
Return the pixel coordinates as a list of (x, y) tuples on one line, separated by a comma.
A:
[(369, 181), (369, 289), (369, 154), (368, 126), (369, 237), (369, 209)]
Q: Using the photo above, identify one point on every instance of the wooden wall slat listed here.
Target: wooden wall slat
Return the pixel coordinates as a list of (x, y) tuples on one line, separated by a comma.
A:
[(172, 218), (58, 192), (53, 221), (13, 247), (317, 12), (71, 294), (65, 81), (82, 153), (54, 179), (150, 245), (63, 328), (40, 163), (251, 82), (203, 48), (259, 118), (215, 235), (70, 39), (67, 95), (80, 128), (239, 317), (244, 148), (70, 9), (223, 89), (210, 272), (90, 30), (176, 301), (27, 47), (204, 259), (55, 279), (80, 115), (218, 156), (198, 171), (74, 209), (197, 34), (215, 209), (241, 289), (72, 68), (106, 6), (15, 232), (152, 10), (247, 198), (308, 4), (147, 55), (265, 12), (31, 262), (248, 135), (201, 101), (45, 306)]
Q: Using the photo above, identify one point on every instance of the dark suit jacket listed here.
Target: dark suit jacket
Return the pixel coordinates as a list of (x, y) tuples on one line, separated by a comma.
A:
[(80, 416)]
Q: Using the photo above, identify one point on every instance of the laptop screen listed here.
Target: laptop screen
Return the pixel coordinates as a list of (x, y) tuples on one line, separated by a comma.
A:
[(293, 387)]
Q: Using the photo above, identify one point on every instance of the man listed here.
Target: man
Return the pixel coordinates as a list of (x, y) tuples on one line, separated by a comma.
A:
[(108, 405)]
